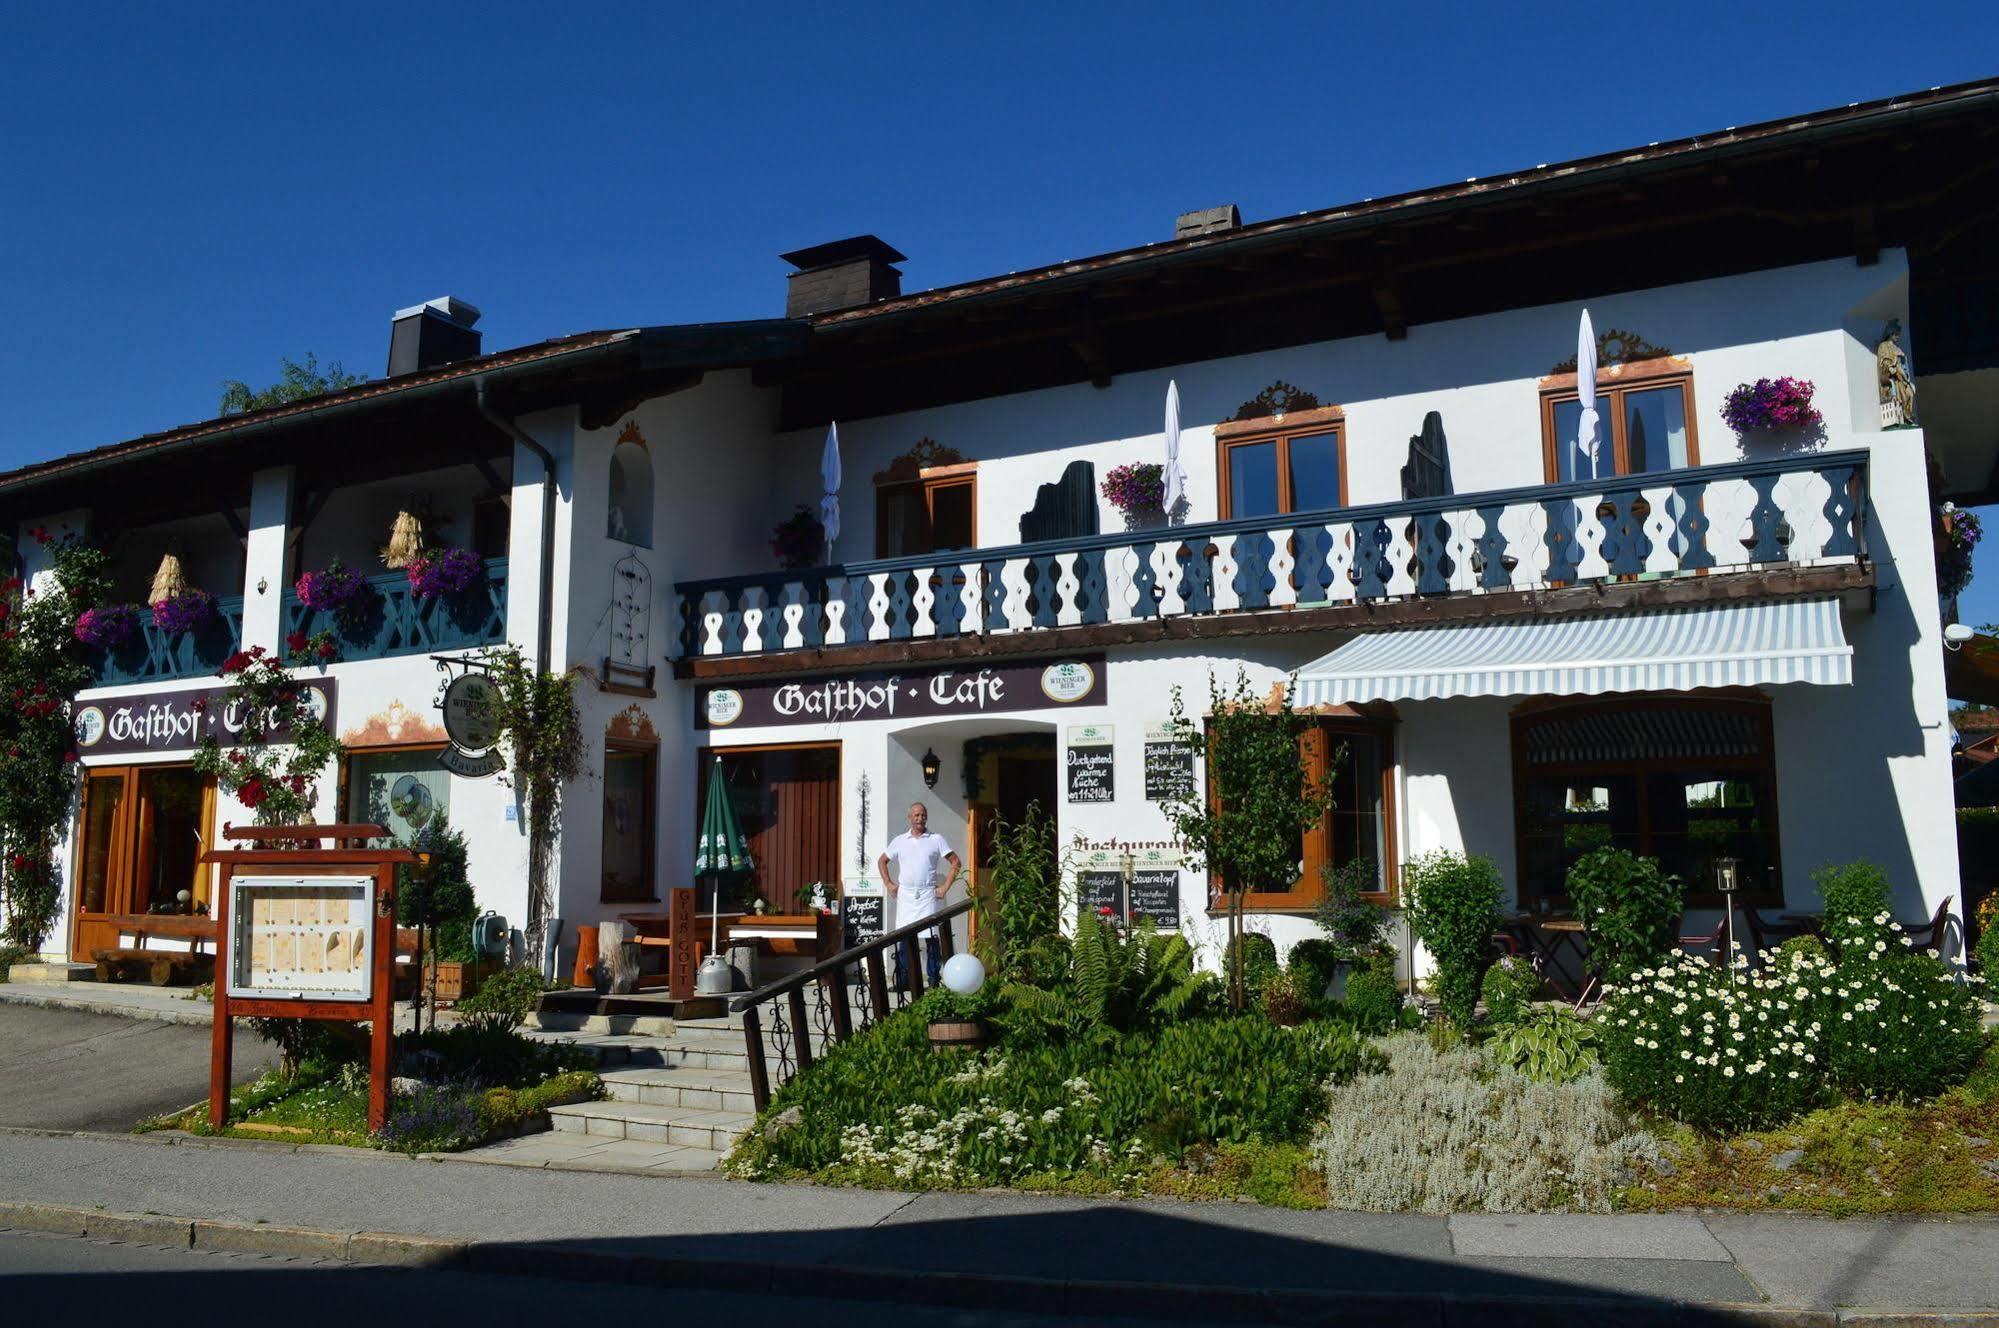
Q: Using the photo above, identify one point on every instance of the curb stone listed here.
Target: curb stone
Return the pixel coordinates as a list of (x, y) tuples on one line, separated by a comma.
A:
[(1306, 1309)]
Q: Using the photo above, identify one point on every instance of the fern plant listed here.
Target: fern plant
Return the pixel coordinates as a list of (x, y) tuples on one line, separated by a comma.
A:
[(1118, 982)]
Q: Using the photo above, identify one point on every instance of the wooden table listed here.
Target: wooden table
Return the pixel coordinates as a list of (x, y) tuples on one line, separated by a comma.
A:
[(1545, 936)]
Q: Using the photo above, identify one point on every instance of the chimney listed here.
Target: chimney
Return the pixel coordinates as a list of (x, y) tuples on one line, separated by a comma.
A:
[(1207, 221), (435, 332), (842, 275)]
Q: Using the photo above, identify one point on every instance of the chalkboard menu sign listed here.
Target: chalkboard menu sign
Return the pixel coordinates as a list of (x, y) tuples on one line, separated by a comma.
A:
[(1099, 890), (1169, 764), (1091, 766), (1155, 895), (863, 915)]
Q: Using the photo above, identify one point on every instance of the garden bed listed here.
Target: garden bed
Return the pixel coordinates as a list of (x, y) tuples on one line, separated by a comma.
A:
[(457, 1088)]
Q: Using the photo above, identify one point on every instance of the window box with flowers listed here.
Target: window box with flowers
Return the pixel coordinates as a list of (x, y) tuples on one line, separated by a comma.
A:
[(438, 573), (184, 612), (1775, 415), (1138, 490)]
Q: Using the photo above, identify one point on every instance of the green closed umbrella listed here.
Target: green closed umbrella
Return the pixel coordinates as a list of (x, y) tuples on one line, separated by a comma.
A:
[(719, 851)]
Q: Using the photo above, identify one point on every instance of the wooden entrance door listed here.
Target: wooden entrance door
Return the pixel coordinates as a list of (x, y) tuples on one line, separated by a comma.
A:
[(1012, 778), (143, 833)]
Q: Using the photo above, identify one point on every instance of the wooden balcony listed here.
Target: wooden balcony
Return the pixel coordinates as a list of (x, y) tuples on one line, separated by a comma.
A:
[(155, 655), (387, 619), (1668, 536)]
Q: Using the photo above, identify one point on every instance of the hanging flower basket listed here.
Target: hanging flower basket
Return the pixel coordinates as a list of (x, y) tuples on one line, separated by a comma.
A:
[(328, 591), (1136, 489), (1958, 533), (108, 627), (436, 572), (799, 541), (1776, 408), (184, 612)]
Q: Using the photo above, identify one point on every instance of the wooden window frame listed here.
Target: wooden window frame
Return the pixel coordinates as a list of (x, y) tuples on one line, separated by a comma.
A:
[(1315, 747), (650, 842), (1611, 386), (1762, 765), (1282, 430), (127, 859), (929, 481)]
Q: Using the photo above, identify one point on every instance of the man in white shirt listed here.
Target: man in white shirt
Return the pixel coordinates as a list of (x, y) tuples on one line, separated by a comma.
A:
[(919, 884)]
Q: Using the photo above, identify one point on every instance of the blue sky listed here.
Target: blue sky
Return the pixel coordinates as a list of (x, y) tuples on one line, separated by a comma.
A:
[(189, 192)]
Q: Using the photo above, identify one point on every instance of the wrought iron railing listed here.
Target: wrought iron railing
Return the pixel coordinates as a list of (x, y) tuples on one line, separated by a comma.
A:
[(1784, 511), (833, 1000), (385, 617), (155, 655)]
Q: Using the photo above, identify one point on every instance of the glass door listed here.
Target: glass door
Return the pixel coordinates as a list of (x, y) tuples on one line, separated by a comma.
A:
[(140, 845)]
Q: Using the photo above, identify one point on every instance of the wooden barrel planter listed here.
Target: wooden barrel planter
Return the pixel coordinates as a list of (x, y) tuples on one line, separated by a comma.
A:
[(945, 1033)]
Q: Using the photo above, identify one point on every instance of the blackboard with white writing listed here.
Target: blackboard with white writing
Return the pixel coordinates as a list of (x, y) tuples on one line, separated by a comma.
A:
[(1155, 895), (1169, 770), (1091, 772), (863, 915)]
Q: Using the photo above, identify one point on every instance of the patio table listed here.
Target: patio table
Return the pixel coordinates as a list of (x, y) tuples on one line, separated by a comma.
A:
[(1545, 937)]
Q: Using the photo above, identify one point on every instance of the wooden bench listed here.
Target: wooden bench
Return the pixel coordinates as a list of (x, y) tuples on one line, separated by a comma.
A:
[(653, 934), (194, 964)]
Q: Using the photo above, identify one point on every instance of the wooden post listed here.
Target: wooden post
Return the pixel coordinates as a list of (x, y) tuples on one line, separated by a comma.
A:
[(585, 973), (801, 1027), (877, 984), (221, 1036), (753, 1034)]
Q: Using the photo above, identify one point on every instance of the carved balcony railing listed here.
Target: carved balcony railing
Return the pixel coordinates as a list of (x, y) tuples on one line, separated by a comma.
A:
[(385, 618), (1790, 511), (155, 655)]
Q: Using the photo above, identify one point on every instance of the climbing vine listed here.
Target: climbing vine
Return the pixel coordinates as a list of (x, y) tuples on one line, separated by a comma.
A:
[(43, 664), (536, 724), (282, 743)]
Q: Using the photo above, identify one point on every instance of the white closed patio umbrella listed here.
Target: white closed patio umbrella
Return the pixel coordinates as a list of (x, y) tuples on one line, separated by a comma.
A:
[(1176, 478), (1587, 441), (829, 480)]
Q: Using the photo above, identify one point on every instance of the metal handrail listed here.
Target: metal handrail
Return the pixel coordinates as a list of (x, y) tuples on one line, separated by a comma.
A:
[(828, 974)]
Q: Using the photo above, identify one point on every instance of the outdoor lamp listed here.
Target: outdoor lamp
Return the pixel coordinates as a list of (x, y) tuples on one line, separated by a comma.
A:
[(964, 974), (1727, 874), (931, 765)]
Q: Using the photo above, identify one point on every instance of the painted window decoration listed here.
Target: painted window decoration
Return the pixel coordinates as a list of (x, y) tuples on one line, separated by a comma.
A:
[(1687, 782), (629, 828), (629, 517), (404, 790), (1360, 825), (1642, 427)]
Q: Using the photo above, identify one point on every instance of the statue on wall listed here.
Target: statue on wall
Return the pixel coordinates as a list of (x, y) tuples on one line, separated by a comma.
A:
[(1897, 387)]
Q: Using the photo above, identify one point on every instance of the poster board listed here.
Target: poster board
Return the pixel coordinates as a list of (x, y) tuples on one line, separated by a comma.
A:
[(1092, 768), (1154, 892), (302, 938)]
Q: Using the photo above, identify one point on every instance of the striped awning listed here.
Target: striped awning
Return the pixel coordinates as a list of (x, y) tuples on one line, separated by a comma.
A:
[(1642, 650)]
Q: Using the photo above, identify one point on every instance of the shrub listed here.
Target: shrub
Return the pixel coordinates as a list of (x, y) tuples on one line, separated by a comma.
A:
[(1284, 998), (1719, 1049), (1550, 1045), (1453, 907), (484, 1055), (1631, 910), (1024, 912), (1806, 947), (1314, 961), (311, 1045), (1901, 1028), (1511, 985), (1856, 899), (1352, 924), (1440, 1132), (1117, 981), (1259, 960), (1373, 1002), (503, 1002), (884, 1107), (1988, 951)]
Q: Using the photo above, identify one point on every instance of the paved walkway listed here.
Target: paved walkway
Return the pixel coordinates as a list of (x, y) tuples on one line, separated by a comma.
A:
[(846, 1233), (63, 1069)]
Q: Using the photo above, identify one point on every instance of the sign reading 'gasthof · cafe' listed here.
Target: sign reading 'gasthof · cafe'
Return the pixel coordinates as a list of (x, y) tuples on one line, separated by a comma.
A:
[(120, 723), (918, 694)]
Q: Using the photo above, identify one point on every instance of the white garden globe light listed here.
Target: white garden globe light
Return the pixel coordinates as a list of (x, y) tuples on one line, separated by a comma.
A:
[(964, 974)]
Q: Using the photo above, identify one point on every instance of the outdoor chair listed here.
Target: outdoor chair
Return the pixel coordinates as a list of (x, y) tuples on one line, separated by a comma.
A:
[(1932, 934)]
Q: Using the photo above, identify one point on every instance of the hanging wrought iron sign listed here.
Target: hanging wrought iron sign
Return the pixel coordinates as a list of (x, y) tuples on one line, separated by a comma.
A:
[(467, 704)]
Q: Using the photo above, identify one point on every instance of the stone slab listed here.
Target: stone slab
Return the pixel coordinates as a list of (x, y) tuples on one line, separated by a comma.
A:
[(1585, 1236)]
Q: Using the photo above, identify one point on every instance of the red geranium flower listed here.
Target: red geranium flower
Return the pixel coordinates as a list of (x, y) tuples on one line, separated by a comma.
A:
[(199, 705), (251, 793), (296, 642), (237, 662)]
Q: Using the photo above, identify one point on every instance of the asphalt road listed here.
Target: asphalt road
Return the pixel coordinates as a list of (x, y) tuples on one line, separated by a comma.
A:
[(56, 1278), (66, 1070)]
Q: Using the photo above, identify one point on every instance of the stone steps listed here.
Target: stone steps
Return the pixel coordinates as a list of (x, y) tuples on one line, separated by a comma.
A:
[(713, 1131), (695, 1089)]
